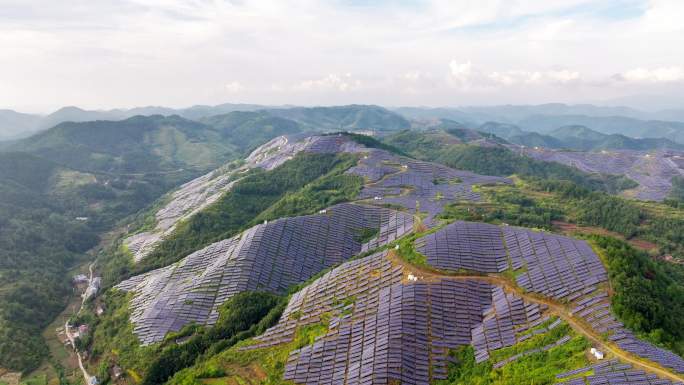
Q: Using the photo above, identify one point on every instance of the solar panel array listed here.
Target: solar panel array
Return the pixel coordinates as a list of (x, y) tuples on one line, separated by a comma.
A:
[(200, 192), (465, 245), (382, 330), (269, 257), (595, 310), (557, 266), (653, 171), (611, 373), (430, 186), (507, 316), (333, 144), (391, 331)]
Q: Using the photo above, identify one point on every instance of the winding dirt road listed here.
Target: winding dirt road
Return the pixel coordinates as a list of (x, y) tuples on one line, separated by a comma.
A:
[(561, 310)]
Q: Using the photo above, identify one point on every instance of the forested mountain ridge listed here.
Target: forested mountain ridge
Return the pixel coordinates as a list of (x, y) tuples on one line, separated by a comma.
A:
[(63, 188), (577, 137), (138, 144), (14, 125)]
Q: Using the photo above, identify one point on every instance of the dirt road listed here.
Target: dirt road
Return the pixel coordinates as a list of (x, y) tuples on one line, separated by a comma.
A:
[(561, 310)]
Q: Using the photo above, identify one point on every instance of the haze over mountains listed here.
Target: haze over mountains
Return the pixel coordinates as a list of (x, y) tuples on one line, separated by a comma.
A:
[(541, 119)]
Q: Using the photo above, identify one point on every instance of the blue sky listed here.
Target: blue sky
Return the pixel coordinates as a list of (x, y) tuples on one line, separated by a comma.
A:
[(122, 53)]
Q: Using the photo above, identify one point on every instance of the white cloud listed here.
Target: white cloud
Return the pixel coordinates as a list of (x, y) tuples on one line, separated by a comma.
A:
[(234, 87), (460, 73), (466, 76), (655, 75), (332, 82), (118, 53)]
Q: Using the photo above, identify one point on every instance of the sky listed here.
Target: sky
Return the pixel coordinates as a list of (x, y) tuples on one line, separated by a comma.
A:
[(101, 54)]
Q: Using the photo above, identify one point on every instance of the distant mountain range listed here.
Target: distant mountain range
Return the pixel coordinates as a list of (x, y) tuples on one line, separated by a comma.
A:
[(544, 119), (576, 137), (15, 125)]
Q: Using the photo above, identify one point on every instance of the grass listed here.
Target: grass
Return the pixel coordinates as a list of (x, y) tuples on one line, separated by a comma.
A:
[(36, 380), (407, 251), (259, 366), (537, 368)]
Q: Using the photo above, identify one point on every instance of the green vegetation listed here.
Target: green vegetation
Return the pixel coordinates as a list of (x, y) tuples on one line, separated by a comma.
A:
[(676, 198), (366, 234), (62, 188), (407, 251), (285, 190), (650, 221), (141, 144), (243, 316), (247, 130), (648, 296), (500, 161), (113, 338), (237, 318), (265, 365), (41, 239), (371, 142), (510, 206), (537, 368)]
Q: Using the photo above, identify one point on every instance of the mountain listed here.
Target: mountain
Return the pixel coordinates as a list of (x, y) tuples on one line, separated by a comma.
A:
[(62, 189), (134, 145), (75, 114), (14, 125), (545, 118), (583, 138), (338, 118), (418, 113), (576, 137), (515, 113), (607, 125), (501, 129), (250, 129)]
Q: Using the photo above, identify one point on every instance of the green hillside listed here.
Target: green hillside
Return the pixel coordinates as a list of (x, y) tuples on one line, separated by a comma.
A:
[(495, 160), (576, 137), (247, 130), (341, 118), (136, 145), (63, 188)]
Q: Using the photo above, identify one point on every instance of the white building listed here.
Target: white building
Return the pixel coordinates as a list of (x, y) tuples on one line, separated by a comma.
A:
[(596, 353)]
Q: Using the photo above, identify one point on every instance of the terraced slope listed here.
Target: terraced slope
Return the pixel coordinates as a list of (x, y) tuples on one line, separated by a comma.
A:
[(555, 267), (388, 321), (417, 185), (272, 257), (510, 294), (652, 170), (391, 180), (201, 192), (391, 329), (276, 255)]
